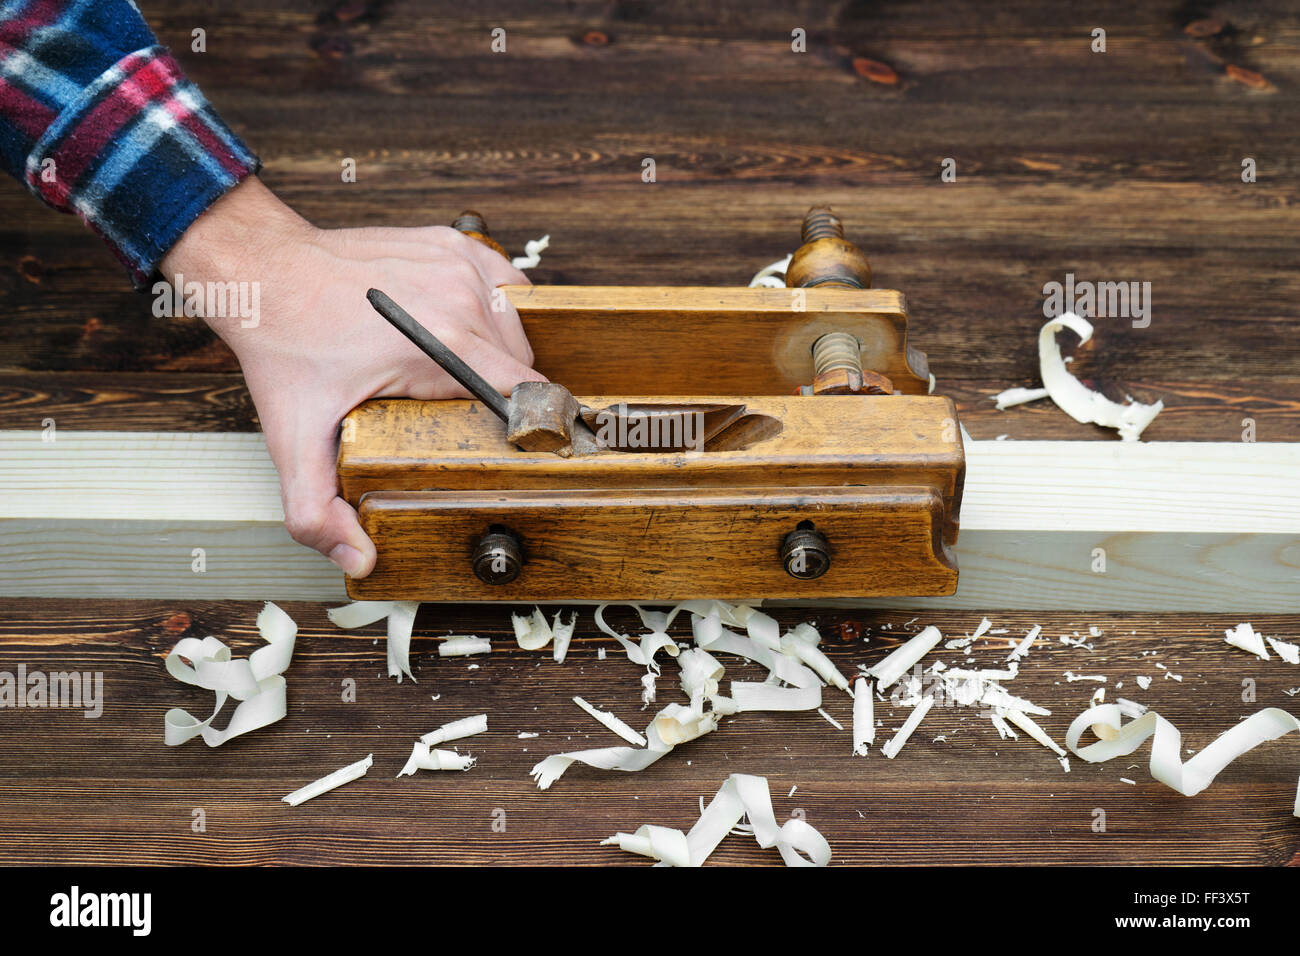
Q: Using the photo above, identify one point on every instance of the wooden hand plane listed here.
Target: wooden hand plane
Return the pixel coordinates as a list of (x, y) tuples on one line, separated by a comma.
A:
[(730, 443)]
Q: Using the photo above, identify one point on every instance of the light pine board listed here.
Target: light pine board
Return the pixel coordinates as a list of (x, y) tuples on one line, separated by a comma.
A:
[(1186, 526)]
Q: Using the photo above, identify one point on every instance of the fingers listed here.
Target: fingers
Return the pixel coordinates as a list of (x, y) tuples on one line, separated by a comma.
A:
[(496, 271), (493, 270), (496, 268), (456, 295), (501, 369), (505, 319), (314, 514)]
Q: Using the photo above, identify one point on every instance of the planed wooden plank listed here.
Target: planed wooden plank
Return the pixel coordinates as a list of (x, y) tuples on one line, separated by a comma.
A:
[(1184, 526)]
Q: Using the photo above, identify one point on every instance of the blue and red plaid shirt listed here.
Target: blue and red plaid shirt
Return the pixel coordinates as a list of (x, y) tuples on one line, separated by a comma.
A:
[(98, 119)]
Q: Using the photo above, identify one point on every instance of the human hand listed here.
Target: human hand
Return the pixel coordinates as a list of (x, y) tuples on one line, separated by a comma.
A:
[(315, 348)]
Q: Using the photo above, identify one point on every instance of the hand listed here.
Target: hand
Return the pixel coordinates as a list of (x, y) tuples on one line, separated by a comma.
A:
[(316, 349)]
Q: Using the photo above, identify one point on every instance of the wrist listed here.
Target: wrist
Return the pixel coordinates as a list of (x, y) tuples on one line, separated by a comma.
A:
[(230, 243)]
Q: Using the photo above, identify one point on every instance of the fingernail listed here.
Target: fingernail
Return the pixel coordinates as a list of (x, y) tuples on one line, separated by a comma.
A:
[(348, 558)]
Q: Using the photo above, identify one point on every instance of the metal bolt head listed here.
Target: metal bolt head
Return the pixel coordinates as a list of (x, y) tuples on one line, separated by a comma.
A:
[(805, 554), (498, 558)]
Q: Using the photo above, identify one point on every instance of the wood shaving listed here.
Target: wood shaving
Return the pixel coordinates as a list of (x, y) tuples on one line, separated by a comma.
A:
[(1024, 647), (742, 797), (1166, 764), (895, 744), (830, 720), (864, 724), (1076, 399), (457, 730), (401, 622), (563, 634), (1245, 637), (532, 632), (888, 671), (1288, 652), (331, 781), (1010, 397), (612, 722), (424, 758), (464, 645), (255, 681)]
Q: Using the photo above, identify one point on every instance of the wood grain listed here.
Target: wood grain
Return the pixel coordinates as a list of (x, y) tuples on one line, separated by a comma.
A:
[(1117, 166), (594, 339), (1183, 525), (877, 441), (656, 545), (108, 790)]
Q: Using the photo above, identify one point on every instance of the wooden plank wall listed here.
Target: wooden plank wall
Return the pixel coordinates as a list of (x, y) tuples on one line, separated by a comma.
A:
[(1117, 166)]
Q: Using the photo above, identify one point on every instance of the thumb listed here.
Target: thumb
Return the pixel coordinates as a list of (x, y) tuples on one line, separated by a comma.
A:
[(314, 514)]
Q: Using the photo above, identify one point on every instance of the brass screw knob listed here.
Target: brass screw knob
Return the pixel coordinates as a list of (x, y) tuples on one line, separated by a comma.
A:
[(805, 552), (498, 559)]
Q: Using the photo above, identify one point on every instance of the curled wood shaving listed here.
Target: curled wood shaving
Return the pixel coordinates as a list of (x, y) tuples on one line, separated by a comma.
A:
[(644, 652), (812, 656), (532, 256), (401, 621), (895, 743), (751, 696), (742, 796), (1025, 723), (532, 633), (255, 681), (1018, 396), (1076, 399), (329, 782), (563, 634), (771, 276), (964, 642), (1288, 652), (1166, 763), (864, 718), (424, 758), (464, 645), (672, 726), (457, 730), (1025, 646), (1245, 637), (889, 670)]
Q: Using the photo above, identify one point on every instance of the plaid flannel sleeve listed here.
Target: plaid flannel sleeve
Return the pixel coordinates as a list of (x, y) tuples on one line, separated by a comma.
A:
[(98, 119)]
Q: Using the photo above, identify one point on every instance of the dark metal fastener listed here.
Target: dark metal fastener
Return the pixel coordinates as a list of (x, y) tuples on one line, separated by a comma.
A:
[(498, 558), (805, 552)]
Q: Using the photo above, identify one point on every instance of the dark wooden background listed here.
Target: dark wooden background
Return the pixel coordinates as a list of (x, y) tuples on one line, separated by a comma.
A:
[(1117, 166)]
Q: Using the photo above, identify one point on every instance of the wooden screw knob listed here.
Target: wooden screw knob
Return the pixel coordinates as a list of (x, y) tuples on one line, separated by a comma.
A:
[(826, 258)]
